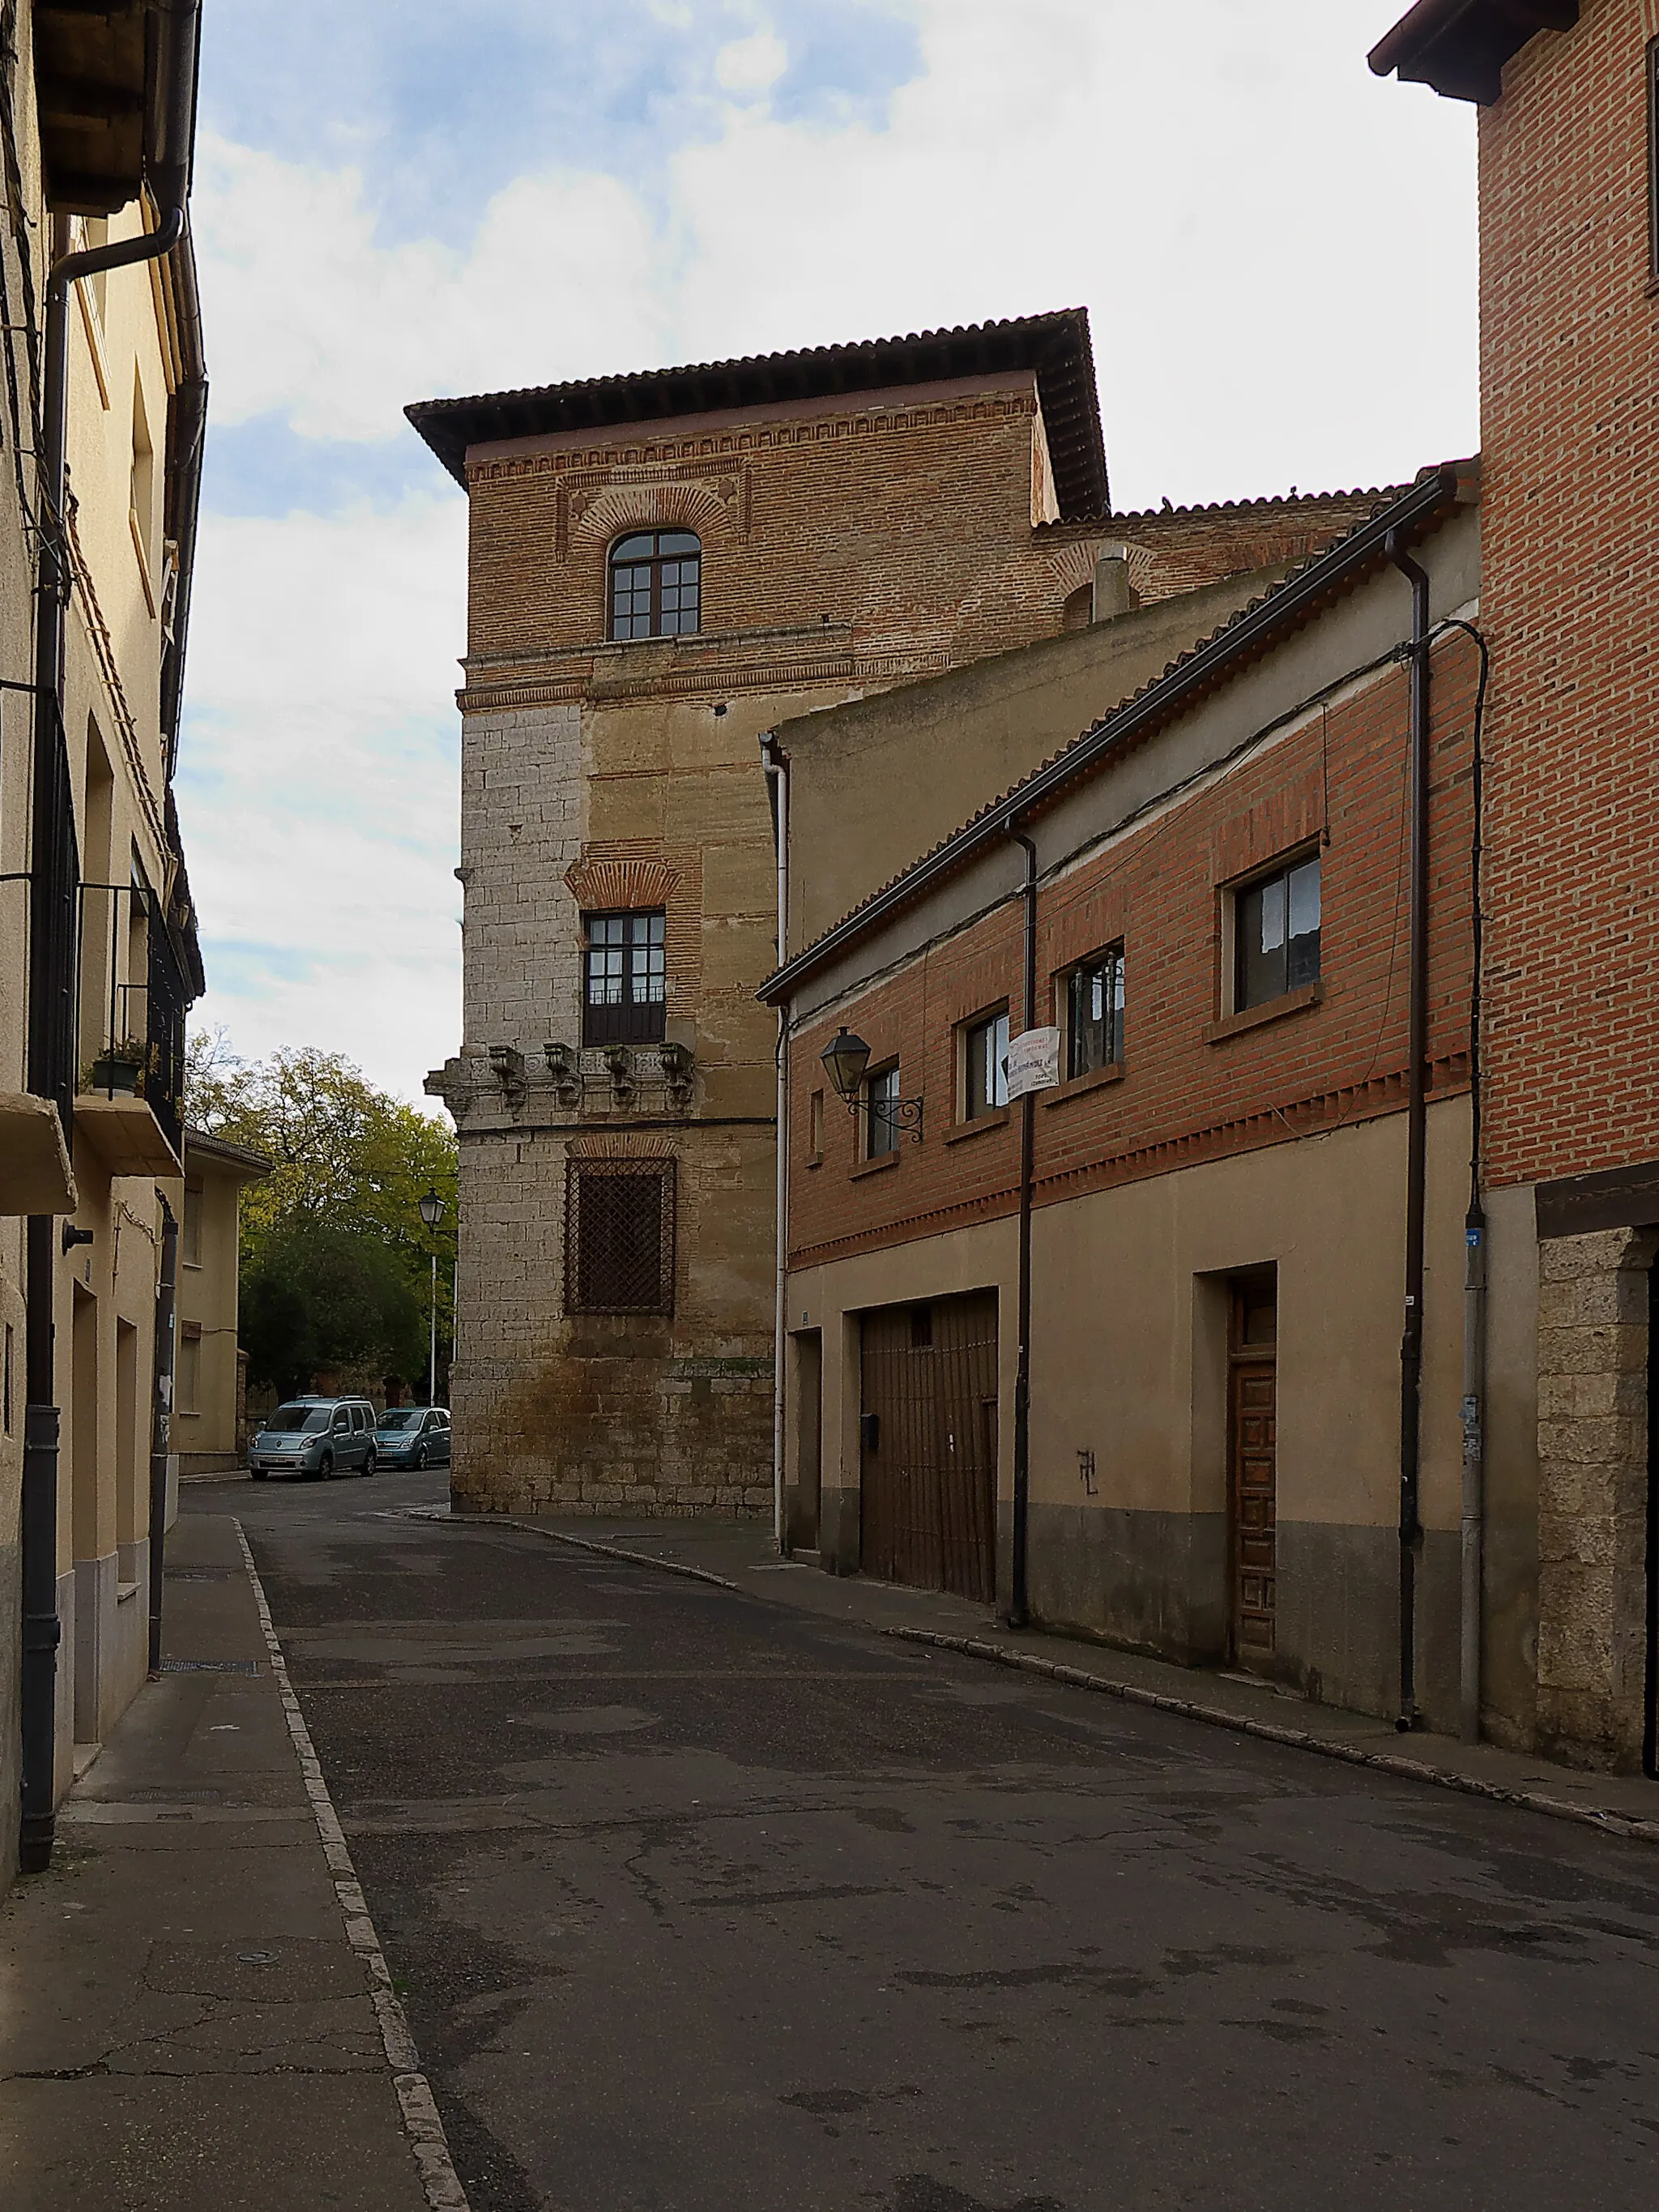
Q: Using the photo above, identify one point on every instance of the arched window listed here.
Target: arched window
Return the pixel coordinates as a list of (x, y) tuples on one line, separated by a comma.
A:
[(656, 584)]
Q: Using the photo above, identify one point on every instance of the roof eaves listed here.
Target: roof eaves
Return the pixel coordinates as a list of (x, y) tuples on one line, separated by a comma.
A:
[(1237, 641), (1459, 48)]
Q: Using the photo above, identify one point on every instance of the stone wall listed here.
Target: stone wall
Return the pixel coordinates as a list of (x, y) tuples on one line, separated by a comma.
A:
[(1592, 1496)]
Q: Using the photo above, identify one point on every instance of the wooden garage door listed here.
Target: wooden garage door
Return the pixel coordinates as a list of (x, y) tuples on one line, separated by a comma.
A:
[(928, 1452)]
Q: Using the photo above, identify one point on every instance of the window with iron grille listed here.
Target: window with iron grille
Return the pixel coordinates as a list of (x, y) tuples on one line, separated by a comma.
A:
[(1276, 934), (619, 1236), (1094, 1013), (656, 584), (626, 996)]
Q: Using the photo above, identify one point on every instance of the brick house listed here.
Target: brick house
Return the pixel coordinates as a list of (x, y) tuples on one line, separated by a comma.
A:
[(1569, 181), (664, 567), (1216, 911)]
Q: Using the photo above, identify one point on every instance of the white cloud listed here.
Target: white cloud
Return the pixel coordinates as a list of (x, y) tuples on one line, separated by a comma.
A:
[(751, 66)]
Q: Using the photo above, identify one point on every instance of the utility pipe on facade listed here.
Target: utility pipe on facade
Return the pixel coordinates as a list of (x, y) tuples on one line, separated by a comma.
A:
[(1410, 1342), (1473, 1518), (170, 126), (160, 1440), (775, 761), (1018, 1607)]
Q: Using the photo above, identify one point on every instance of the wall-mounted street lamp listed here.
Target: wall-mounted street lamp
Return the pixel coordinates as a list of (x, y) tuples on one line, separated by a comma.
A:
[(431, 1209), (847, 1058)]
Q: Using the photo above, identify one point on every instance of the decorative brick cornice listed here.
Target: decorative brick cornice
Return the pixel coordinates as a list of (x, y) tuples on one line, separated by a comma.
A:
[(596, 506), (620, 886), (742, 438)]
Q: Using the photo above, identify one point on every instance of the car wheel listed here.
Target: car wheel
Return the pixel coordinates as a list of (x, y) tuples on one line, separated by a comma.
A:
[(419, 1459), (370, 1463), (325, 1466)]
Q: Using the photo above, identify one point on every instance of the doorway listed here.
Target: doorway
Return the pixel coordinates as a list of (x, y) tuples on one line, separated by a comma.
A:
[(806, 1492), (1650, 1686), (1252, 1469), (928, 1445)]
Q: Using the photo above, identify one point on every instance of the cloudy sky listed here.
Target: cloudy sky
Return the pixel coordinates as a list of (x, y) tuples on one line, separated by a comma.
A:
[(396, 198)]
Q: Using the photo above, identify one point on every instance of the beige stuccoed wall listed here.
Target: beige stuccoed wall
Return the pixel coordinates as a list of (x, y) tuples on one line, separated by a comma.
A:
[(205, 1437), (963, 736), (1128, 1360)]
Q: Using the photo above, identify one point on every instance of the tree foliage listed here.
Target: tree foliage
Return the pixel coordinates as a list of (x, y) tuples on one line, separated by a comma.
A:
[(335, 1228)]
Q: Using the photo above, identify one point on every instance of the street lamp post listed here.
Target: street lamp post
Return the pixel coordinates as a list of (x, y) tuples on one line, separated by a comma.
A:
[(431, 1210)]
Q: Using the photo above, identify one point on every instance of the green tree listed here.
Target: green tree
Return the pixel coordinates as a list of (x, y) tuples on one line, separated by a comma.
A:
[(346, 1157), (315, 1295)]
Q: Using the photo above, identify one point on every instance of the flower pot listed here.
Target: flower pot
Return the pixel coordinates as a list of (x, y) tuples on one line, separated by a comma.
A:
[(116, 1075)]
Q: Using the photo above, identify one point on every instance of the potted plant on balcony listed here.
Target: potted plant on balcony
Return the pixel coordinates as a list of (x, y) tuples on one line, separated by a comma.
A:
[(121, 1067)]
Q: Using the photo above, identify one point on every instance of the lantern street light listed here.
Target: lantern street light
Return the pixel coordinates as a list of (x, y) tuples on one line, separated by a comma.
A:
[(431, 1208), (846, 1059)]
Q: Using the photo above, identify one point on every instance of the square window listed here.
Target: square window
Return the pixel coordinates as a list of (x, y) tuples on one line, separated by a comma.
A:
[(1094, 1013), (1276, 934), (985, 1066)]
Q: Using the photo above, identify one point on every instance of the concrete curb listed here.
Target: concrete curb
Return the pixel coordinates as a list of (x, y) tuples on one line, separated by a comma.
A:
[(585, 1544), (422, 2125), (1382, 1762)]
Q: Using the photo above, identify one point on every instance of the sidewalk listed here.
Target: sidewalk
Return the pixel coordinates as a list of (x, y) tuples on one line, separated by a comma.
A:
[(741, 1555), (193, 2009)]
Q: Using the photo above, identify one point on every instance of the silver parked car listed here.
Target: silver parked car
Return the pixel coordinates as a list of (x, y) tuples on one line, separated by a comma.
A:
[(413, 1435), (315, 1436)]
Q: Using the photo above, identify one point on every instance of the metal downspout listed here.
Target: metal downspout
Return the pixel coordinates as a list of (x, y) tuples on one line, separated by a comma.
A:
[(777, 763), (161, 1435), (1410, 1342), (51, 949), (1018, 1607)]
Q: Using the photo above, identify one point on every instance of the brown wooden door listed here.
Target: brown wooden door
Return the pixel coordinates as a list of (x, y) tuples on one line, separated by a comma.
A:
[(928, 1445), (1252, 1426)]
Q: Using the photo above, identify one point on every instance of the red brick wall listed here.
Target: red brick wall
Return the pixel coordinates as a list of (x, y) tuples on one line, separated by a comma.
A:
[(1570, 400), (1182, 1097), (1182, 549)]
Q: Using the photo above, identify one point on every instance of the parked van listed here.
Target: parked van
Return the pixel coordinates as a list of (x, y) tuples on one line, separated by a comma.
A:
[(315, 1436)]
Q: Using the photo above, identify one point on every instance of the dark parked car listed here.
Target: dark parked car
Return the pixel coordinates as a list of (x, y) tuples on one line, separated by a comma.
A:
[(315, 1435), (413, 1435)]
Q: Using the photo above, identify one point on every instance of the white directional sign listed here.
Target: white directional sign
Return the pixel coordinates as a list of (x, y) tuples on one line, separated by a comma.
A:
[(1033, 1061)]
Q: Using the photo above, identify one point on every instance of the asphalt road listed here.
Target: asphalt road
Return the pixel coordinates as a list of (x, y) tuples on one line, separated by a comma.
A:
[(700, 1903)]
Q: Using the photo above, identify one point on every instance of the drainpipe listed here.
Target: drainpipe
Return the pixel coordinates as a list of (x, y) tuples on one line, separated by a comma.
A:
[(1018, 1610), (170, 126), (161, 1435), (1410, 1342), (775, 761), (1471, 1531)]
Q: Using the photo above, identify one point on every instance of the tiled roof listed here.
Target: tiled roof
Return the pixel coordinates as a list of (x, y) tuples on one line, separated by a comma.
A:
[(1055, 347), (1248, 632), (1269, 503)]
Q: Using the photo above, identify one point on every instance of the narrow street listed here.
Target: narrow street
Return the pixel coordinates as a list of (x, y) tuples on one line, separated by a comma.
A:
[(700, 1903)]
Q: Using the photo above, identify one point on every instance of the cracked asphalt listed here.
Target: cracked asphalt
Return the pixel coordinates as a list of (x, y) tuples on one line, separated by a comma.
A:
[(703, 1904)]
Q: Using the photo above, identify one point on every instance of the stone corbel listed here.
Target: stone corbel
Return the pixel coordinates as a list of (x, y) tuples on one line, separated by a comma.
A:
[(506, 1066), (563, 1072), (677, 1064), (619, 1065)]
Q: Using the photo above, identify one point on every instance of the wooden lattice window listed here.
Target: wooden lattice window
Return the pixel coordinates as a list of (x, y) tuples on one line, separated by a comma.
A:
[(619, 1236)]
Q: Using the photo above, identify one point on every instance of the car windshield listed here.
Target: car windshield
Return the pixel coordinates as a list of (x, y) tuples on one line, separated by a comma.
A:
[(405, 1417), (288, 1418)]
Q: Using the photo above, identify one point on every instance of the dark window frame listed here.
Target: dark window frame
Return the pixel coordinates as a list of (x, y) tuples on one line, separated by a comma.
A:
[(613, 1264), (880, 1116), (649, 592), (633, 1016), (1108, 961), (984, 1080), (1246, 994)]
